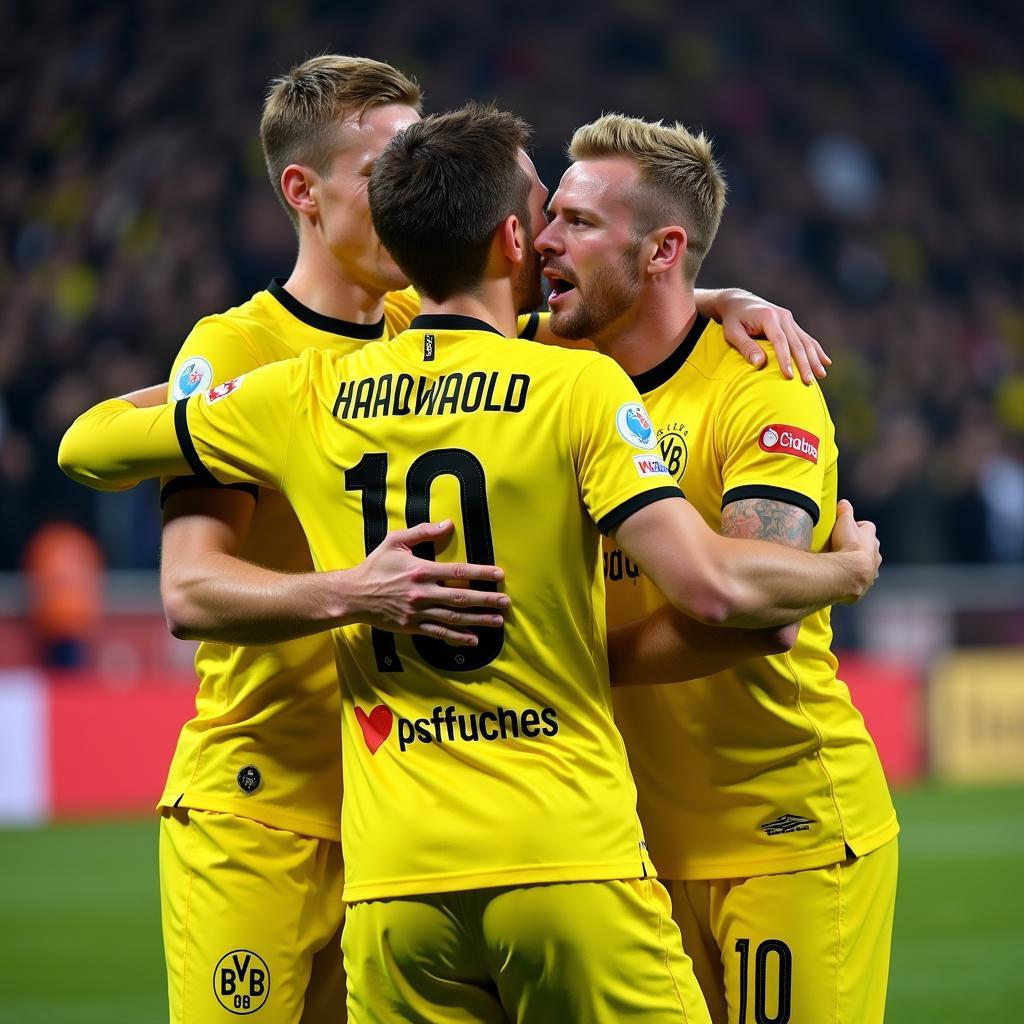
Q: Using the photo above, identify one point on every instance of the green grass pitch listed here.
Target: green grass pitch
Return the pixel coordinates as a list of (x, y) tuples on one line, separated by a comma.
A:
[(79, 917)]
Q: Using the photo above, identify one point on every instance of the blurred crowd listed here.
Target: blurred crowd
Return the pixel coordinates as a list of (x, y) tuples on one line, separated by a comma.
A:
[(874, 154)]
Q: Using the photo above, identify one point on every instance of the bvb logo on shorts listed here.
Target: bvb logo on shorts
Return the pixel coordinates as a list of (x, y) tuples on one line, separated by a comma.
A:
[(241, 981)]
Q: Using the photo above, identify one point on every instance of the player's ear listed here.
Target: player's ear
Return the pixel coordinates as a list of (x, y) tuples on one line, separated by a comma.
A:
[(513, 239), (665, 249), (297, 185)]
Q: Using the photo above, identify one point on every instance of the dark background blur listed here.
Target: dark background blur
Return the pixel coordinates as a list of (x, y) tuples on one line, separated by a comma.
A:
[(875, 155)]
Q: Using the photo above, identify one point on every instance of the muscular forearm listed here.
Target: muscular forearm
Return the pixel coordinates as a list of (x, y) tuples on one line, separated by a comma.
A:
[(114, 445), (232, 601), (668, 647), (764, 584)]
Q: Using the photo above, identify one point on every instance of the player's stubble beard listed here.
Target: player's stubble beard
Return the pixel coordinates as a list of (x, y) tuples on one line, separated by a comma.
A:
[(611, 291), (528, 293)]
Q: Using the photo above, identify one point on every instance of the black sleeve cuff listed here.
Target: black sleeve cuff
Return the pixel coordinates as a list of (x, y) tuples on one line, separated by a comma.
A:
[(192, 483), (782, 494), (188, 449), (622, 512), (529, 332)]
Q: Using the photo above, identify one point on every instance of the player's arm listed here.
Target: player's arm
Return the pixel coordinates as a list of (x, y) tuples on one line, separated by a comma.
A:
[(114, 445), (744, 317), (669, 647), (748, 583), (212, 594)]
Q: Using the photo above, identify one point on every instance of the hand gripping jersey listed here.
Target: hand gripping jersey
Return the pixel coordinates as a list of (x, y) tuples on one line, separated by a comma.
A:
[(766, 767), (464, 767), (264, 743)]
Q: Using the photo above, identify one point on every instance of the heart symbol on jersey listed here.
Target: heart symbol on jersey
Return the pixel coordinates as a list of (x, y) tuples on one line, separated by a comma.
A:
[(376, 725)]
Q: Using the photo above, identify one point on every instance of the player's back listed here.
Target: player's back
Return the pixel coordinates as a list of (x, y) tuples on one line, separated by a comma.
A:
[(496, 764)]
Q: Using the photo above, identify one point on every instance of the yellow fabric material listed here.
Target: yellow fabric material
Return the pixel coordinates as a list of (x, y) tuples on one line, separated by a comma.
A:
[(475, 767), (768, 766), (252, 921), (271, 707), (600, 952), (815, 942)]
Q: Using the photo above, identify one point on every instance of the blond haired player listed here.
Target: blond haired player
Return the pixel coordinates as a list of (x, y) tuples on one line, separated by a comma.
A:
[(760, 790), (255, 784), (495, 864)]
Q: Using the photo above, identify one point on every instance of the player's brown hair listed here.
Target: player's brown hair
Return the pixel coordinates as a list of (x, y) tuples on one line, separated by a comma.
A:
[(303, 109), (680, 180), (439, 190)]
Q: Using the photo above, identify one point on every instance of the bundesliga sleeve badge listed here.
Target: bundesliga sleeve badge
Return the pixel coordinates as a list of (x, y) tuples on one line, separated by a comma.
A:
[(634, 425), (196, 374)]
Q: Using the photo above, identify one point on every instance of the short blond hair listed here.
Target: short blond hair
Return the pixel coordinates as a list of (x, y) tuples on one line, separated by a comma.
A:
[(303, 108), (680, 180)]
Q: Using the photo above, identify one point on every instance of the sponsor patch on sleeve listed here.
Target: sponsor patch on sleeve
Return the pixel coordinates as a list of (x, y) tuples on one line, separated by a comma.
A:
[(650, 465), (634, 425), (196, 374), (215, 394), (786, 440)]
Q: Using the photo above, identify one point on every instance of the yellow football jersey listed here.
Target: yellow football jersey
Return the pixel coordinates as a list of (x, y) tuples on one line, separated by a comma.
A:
[(464, 767), (767, 767), (262, 744)]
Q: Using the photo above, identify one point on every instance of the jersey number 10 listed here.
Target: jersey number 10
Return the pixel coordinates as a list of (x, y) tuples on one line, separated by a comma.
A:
[(369, 476)]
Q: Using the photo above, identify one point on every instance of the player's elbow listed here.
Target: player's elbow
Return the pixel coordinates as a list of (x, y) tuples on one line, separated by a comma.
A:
[(184, 619), (72, 459)]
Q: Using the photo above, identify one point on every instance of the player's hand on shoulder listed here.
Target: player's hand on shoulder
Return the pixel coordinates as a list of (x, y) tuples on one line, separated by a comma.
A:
[(393, 589), (857, 539), (746, 316)]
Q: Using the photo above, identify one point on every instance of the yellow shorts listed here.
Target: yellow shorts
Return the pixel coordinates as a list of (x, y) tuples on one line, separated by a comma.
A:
[(251, 920), (599, 952), (809, 947)]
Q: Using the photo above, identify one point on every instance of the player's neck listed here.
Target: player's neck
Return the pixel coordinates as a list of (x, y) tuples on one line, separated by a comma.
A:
[(493, 304), (320, 284), (651, 331)]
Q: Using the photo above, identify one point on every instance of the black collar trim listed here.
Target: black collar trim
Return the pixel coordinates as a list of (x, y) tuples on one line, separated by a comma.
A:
[(450, 322), (652, 379), (345, 328)]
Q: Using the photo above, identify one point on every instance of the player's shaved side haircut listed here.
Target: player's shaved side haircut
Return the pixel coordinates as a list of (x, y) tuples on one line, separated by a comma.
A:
[(680, 180), (303, 109), (439, 190)]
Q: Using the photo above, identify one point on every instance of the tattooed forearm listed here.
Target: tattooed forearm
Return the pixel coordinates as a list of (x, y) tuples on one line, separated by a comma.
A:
[(764, 519)]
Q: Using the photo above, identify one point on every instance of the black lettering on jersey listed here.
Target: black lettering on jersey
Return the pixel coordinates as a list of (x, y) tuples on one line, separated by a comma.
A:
[(450, 399), (364, 396), (403, 390), (382, 403), (448, 395), (471, 400), (448, 725), (618, 566), (344, 399), (515, 399), (426, 397)]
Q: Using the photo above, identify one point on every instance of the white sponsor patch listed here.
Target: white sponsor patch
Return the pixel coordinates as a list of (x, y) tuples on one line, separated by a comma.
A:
[(650, 465), (195, 375), (223, 390), (634, 425)]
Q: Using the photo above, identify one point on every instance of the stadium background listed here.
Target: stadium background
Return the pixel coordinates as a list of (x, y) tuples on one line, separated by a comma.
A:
[(874, 154)]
